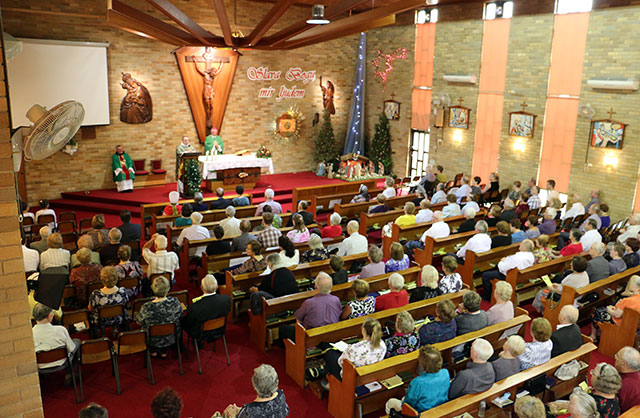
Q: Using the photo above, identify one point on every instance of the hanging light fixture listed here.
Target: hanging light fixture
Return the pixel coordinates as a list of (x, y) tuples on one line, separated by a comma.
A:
[(317, 15)]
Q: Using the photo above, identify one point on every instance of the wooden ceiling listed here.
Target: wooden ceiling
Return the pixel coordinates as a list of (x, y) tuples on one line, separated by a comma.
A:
[(348, 17)]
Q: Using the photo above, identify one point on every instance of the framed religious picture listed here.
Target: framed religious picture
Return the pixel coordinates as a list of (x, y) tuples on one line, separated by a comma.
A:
[(522, 124), (607, 134), (459, 117), (392, 109)]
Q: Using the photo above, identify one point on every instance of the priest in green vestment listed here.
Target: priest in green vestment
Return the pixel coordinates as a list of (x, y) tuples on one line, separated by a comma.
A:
[(123, 170), (213, 143)]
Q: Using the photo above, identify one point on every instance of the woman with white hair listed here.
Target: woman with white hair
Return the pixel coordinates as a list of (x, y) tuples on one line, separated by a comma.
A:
[(508, 363), (231, 224), (429, 285), (389, 189), (405, 339), (334, 229), (362, 196), (582, 405), (376, 266), (316, 251), (503, 309), (160, 310), (606, 383), (397, 296), (269, 402)]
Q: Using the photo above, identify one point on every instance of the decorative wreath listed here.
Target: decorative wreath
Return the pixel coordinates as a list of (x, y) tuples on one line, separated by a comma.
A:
[(288, 125)]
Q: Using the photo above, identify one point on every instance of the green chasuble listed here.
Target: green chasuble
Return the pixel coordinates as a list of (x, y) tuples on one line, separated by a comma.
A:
[(209, 142), (125, 164)]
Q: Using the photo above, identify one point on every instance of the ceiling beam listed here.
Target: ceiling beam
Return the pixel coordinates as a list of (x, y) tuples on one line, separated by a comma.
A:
[(135, 21), (175, 14), (335, 34), (267, 22), (301, 26), (223, 19)]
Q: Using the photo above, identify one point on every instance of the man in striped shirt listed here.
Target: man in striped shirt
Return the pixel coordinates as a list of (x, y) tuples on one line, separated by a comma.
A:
[(160, 261)]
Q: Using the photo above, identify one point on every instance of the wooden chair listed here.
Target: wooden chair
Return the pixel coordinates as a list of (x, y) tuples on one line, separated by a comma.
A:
[(94, 286), (69, 292), (68, 216), (132, 342), (57, 354), (70, 318), (129, 282), (67, 227), (69, 240), (182, 296), (45, 219), (212, 325), (163, 330), (84, 225), (97, 351), (26, 227), (137, 305), (35, 229), (108, 312)]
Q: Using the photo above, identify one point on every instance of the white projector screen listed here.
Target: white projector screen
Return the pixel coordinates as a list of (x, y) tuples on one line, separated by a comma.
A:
[(49, 72)]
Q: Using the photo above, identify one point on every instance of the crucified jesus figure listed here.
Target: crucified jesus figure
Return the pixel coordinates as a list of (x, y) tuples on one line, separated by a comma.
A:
[(208, 93)]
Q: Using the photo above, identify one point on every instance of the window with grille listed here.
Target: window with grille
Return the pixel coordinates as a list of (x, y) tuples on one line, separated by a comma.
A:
[(419, 152)]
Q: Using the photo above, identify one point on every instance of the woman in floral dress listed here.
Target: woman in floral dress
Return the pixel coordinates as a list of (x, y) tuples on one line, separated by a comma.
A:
[(110, 294), (405, 340)]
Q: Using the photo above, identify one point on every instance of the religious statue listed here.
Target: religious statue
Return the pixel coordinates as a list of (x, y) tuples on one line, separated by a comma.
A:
[(380, 168), (123, 171), (321, 169), (358, 170), (327, 96), (371, 168), (330, 171), (136, 105), (209, 75)]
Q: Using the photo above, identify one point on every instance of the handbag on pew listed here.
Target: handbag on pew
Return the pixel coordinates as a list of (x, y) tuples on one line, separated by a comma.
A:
[(397, 414), (356, 266), (536, 385)]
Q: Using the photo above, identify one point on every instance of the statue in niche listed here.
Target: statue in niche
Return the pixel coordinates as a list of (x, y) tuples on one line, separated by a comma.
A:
[(327, 96), (209, 75), (136, 105)]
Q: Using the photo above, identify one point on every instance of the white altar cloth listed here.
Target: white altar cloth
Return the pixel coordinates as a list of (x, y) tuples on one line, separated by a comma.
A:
[(210, 164)]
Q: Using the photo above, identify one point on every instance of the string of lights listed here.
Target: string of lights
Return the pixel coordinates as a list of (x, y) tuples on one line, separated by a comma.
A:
[(355, 133)]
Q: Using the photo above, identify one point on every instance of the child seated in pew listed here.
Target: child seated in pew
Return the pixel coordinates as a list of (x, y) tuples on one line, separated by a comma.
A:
[(539, 350), (430, 388), (429, 288), (542, 253), (362, 305), (339, 274), (451, 282), (443, 328), (405, 339), (508, 363), (371, 349)]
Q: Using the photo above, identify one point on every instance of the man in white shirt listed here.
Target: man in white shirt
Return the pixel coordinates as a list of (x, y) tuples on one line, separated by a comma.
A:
[(31, 259), (356, 243), (47, 337), (195, 232), (425, 214), (268, 201), (470, 204), (591, 235), (452, 209), (231, 224), (630, 231), (576, 208), (438, 229), (160, 261), (479, 243), (521, 260), (439, 196), (464, 190)]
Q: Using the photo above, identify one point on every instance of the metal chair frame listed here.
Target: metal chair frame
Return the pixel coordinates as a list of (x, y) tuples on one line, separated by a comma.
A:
[(56, 354), (92, 347), (211, 325)]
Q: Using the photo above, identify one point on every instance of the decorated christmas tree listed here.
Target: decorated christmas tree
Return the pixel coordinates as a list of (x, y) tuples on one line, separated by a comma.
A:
[(326, 141), (192, 177), (380, 147)]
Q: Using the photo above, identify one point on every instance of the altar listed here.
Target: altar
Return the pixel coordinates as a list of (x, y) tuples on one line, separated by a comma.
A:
[(229, 170)]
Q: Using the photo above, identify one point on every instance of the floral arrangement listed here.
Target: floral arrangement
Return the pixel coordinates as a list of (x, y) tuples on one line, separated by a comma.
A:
[(263, 152)]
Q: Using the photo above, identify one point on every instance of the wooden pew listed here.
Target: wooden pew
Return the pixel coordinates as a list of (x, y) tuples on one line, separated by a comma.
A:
[(367, 220), (515, 276), (271, 307), (242, 282), (488, 260), (207, 216), (307, 193), (148, 209), (296, 352), (614, 337), (354, 210), (321, 202), (215, 263), (471, 403), (342, 397), (632, 413)]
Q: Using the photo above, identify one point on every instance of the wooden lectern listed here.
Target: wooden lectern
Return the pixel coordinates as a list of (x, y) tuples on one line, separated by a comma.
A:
[(183, 160)]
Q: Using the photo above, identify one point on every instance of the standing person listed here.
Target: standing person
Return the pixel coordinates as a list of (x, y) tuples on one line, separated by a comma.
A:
[(123, 171), (213, 143)]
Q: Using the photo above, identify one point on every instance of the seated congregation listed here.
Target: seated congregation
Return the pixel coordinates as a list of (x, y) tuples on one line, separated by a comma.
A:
[(351, 302)]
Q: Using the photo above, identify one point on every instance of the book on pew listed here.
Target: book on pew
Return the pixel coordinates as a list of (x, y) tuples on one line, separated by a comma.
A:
[(340, 345), (392, 382), (406, 376), (332, 203), (368, 388), (503, 400)]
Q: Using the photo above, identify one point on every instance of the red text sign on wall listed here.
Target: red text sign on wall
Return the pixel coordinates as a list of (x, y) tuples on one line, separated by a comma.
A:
[(292, 74)]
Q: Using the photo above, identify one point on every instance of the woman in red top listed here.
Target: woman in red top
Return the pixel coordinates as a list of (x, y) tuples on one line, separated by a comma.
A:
[(334, 229), (397, 297), (575, 247)]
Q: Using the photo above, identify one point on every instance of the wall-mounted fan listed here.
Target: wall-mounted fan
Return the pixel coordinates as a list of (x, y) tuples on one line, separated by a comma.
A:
[(586, 111), (50, 132)]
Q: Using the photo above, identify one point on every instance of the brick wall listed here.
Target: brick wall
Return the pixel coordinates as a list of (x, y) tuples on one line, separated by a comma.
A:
[(248, 121), (19, 385)]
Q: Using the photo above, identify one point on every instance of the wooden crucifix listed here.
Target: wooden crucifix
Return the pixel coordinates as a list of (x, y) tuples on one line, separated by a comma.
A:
[(460, 100), (611, 113), (208, 74), (524, 105)]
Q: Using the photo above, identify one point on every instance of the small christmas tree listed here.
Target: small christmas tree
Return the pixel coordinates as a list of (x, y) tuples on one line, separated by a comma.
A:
[(380, 147), (326, 141), (192, 177)]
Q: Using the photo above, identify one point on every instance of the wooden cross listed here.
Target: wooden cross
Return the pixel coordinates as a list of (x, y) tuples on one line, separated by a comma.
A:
[(524, 105), (460, 100), (393, 95), (611, 113)]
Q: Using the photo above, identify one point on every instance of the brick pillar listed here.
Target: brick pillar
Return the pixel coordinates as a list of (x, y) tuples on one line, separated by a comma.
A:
[(19, 385)]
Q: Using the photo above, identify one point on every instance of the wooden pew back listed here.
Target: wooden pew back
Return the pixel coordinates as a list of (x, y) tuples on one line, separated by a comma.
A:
[(354, 210), (321, 202), (307, 193), (208, 216)]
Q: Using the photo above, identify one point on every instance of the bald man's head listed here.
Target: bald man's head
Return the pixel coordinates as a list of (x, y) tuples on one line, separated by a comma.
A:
[(568, 315)]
